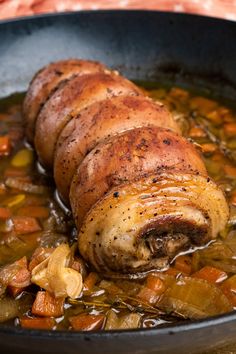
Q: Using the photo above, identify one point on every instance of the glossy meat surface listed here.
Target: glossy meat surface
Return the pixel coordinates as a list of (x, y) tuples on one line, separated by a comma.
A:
[(104, 140), (68, 101), (99, 121), (46, 81), (128, 157)]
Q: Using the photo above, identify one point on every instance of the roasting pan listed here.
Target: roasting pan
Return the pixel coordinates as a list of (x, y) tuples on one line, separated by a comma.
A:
[(146, 46)]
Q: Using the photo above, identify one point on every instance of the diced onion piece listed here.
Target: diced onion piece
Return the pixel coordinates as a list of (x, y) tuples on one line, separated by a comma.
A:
[(25, 186), (54, 274), (194, 298), (8, 309), (39, 255), (228, 266), (11, 308), (129, 321), (39, 275)]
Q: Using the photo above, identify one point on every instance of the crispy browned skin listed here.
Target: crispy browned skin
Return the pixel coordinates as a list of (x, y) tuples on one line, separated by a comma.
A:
[(46, 81), (143, 224), (68, 101), (127, 157), (139, 192), (99, 121)]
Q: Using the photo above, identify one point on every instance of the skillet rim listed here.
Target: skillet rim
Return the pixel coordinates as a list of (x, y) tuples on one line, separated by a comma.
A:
[(42, 16), (168, 329)]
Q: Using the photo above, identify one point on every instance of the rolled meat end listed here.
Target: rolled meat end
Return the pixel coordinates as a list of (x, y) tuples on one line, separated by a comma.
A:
[(143, 225), (68, 100), (97, 122), (46, 81), (127, 157)]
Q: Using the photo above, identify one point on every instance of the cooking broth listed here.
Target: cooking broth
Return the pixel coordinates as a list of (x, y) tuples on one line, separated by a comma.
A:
[(33, 224)]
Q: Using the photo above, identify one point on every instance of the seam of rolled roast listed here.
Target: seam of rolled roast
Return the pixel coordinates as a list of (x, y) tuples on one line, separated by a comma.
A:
[(139, 191)]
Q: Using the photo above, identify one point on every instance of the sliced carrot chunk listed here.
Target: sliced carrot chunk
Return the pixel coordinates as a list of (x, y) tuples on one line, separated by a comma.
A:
[(5, 213), (5, 146), (86, 322), (14, 291), (90, 281), (34, 211), (173, 271), (197, 132), (215, 116), (156, 284), (230, 170), (184, 264), (204, 105), (4, 116), (47, 305), (230, 129), (19, 276), (25, 224), (211, 274), (152, 290), (37, 323), (208, 148), (179, 93), (148, 295)]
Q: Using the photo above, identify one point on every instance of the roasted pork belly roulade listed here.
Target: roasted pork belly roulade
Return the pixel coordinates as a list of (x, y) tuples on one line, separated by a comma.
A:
[(142, 225), (139, 191)]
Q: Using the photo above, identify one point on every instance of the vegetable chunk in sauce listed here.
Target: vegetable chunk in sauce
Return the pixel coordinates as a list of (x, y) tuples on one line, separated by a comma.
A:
[(44, 282)]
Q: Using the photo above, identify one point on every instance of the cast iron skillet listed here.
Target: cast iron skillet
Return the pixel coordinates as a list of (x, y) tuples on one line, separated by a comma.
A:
[(143, 45)]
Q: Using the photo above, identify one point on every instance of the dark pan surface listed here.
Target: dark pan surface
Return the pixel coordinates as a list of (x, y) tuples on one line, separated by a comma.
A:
[(143, 45)]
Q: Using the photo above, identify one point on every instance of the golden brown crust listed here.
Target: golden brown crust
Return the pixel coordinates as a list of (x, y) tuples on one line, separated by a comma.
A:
[(127, 157), (141, 225), (99, 121), (68, 101), (46, 81), (139, 192)]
